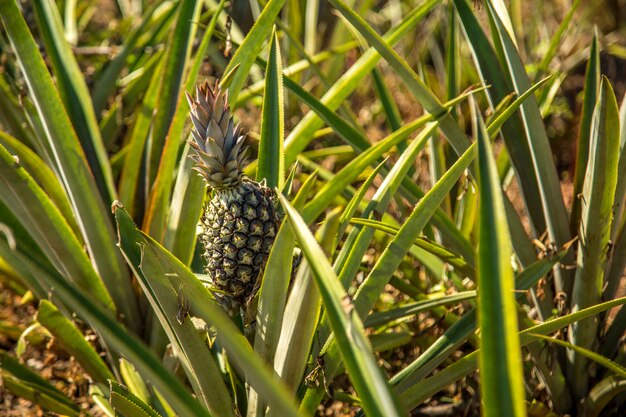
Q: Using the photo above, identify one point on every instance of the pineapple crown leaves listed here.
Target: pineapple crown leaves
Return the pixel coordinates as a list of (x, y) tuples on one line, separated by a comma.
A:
[(218, 144)]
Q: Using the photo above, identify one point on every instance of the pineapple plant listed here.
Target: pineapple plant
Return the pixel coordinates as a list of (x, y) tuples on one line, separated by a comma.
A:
[(240, 220)]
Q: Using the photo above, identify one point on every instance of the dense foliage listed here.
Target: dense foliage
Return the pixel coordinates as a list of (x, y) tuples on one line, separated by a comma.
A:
[(449, 181)]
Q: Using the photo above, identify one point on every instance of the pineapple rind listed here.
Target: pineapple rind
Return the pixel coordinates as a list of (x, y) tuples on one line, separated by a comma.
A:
[(240, 226), (240, 221)]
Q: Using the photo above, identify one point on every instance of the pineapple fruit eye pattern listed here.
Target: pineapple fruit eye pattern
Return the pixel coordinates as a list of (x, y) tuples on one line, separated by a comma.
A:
[(240, 221)]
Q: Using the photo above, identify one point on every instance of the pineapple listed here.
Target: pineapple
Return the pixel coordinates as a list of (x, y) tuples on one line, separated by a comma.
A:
[(240, 221)]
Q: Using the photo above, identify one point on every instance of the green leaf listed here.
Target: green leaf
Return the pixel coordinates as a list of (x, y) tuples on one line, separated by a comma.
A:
[(394, 120), (348, 132), (385, 317), (106, 81), (91, 214), (164, 141), (349, 258), (191, 349), (501, 11), (389, 340), (73, 341), (170, 275), (270, 311), (439, 350), (353, 169), (271, 153), (414, 83), (116, 337), (459, 264), (453, 63), (251, 46), (14, 118), (620, 189), (391, 257), (311, 26), (35, 395), (129, 405), (617, 256), (136, 141), (592, 84), (185, 210), (359, 142), (484, 57), (356, 244), (602, 393), (431, 104), (303, 133), (617, 262), (555, 213), (44, 176), (367, 378), (501, 375), (589, 354), (291, 71), (501, 118), (17, 270), (427, 387), (75, 95), (302, 313), (595, 227), (276, 278), (189, 190), (133, 381), (25, 383), (357, 199), (170, 94), (557, 39), (48, 229)]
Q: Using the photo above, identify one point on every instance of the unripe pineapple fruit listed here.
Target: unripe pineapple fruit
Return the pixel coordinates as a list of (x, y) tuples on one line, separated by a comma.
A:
[(240, 221)]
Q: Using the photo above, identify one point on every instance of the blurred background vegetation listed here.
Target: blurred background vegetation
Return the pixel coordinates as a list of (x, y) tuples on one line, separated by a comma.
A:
[(101, 121)]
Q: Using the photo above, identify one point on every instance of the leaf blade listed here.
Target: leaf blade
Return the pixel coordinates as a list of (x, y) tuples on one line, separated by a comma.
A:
[(368, 381), (500, 357), (595, 227), (88, 207), (271, 152)]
